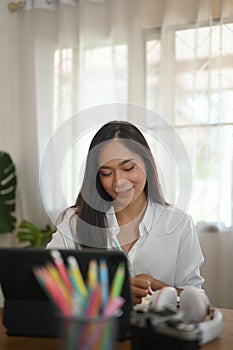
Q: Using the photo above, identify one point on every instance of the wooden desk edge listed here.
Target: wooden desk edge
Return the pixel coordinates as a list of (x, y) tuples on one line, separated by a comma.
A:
[(224, 342)]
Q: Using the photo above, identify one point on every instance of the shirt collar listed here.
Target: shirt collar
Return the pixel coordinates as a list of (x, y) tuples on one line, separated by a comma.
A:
[(144, 226), (147, 220)]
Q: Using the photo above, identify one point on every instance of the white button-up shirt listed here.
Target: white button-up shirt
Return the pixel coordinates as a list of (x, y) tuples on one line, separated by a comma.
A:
[(168, 248)]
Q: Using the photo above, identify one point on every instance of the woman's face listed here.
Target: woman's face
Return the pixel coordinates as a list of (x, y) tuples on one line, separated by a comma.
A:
[(122, 173)]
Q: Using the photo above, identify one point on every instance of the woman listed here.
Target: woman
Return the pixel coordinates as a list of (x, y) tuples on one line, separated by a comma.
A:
[(121, 205)]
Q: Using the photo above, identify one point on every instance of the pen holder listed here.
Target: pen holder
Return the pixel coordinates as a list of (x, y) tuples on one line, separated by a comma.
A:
[(94, 333)]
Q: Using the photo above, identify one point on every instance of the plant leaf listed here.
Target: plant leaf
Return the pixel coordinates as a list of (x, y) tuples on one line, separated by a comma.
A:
[(28, 232), (8, 183)]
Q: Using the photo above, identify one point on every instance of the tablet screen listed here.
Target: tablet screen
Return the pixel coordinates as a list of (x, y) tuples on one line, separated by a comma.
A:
[(27, 309)]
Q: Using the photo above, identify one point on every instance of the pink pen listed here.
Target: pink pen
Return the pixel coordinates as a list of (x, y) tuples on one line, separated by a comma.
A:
[(94, 303), (113, 305), (61, 268), (52, 290)]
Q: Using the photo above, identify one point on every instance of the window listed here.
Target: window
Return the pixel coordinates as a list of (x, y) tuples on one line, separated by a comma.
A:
[(202, 100)]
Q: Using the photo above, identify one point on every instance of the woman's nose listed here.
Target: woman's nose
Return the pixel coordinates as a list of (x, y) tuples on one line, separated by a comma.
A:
[(121, 183), (117, 177)]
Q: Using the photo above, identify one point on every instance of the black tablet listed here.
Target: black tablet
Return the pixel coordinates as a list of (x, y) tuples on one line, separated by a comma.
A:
[(27, 311)]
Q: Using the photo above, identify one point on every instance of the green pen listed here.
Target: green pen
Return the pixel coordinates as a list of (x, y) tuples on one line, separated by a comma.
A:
[(118, 280)]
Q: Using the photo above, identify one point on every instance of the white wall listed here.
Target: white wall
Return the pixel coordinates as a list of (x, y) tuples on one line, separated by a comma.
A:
[(217, 268), (9, 77)]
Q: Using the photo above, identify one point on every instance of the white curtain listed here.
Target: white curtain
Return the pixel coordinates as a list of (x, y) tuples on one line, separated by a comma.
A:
[(73, 56), (189, 80), (81, 62), (80, 55)]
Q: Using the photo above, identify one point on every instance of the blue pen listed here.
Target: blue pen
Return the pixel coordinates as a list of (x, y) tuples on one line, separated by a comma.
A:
[(104, 282), (116, 244), (118, 247)]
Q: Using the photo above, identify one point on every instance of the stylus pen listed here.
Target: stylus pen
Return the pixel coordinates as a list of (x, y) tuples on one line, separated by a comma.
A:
[(118, 247)]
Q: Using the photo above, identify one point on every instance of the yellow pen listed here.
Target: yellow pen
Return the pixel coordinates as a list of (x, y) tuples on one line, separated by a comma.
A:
[(52, 290), (93, 274), (53, 272), (77, 276)]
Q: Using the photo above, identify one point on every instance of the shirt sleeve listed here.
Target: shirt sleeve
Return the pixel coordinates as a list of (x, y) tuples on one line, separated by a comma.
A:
[(63, 237), (190, 257)]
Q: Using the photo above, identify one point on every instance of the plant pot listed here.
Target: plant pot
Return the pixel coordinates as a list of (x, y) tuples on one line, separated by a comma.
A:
[(5, 240)]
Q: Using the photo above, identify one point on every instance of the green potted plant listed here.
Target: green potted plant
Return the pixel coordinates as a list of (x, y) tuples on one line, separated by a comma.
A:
[(27, 233), (8, 185), (34, 237)]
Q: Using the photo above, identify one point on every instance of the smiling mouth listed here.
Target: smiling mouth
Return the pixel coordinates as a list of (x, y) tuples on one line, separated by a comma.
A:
[(124, 192)]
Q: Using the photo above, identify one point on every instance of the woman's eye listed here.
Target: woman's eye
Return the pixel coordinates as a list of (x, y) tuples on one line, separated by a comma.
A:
[(131, 168), (105, 174)]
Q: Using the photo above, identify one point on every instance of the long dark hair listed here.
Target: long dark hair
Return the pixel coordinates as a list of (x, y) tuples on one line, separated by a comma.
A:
[(93, 201)]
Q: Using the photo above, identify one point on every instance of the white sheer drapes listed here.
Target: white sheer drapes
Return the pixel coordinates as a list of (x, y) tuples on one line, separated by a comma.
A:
[(81, 54), (75, 55), (189, 80)]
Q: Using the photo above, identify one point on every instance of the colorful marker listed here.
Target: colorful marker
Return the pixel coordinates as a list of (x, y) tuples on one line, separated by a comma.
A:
[(113, 305), (104, 282), (92, 274), (61, 268), (93, 303), (77, 277), (118, 281)]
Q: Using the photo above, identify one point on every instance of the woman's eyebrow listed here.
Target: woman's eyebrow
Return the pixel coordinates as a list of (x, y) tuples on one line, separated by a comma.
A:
[(125, 161)]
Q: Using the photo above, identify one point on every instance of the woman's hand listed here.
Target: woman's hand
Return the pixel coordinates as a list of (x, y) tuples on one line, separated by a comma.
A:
[(140, 288), (154, 283)]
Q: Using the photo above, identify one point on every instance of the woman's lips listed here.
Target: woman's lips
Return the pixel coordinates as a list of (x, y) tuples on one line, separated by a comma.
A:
[(124, 192)]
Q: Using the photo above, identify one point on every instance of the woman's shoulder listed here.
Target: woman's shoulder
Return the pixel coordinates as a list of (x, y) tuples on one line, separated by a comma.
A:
[(66, 216), (70, 212), (170, 212), (168, 208)]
